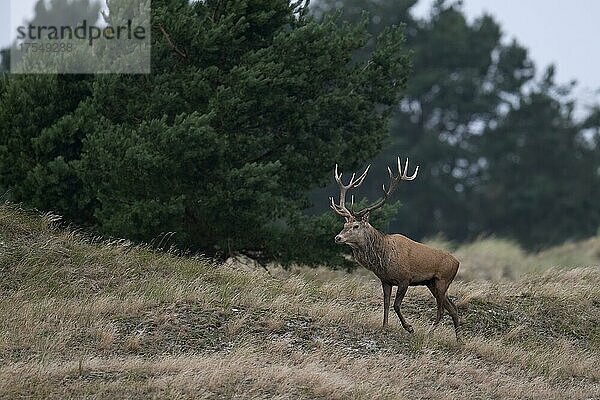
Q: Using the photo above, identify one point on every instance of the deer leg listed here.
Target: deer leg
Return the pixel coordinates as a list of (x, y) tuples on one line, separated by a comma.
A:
[(452, 303), (454, 314), (387, 294), (441, 288), (440, 306), (399, 296)]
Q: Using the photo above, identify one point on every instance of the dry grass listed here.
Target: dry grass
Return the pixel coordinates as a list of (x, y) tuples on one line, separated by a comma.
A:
[(88, 319), (500, 259)]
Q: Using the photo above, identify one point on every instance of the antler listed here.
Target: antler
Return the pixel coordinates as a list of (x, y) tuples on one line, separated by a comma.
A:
[(394, 181), (353, 184)]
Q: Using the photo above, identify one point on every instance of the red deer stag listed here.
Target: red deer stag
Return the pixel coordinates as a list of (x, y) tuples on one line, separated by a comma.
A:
[(395, 259)]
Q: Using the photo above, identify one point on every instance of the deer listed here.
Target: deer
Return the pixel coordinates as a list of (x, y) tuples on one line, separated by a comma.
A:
[(394, 258)]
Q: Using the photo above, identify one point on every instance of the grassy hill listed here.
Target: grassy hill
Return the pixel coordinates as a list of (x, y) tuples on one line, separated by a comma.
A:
[(86, 317)]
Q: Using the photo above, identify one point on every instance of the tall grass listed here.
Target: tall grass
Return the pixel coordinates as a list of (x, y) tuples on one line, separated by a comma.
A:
[(499, 259), (87, 318)]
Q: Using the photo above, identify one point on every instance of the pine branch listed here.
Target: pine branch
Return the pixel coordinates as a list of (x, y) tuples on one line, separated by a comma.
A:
[(171, 44)]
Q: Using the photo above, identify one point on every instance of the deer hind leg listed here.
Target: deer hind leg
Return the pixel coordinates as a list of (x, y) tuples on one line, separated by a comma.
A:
[(387, 294), (457, 321), (454, 314), (452, 303), (399, 297), (441, 287), (431, 285)]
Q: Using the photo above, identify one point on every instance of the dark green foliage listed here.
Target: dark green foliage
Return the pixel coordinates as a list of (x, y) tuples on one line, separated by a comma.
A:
[(453, 121), (541, 173), (460, 77), (249, 105), (40, 139)]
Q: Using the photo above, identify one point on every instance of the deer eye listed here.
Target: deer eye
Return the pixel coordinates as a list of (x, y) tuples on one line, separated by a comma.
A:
[(355, 227)]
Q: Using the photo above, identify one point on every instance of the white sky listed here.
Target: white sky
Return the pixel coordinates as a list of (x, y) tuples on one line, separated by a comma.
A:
[(555, 31)]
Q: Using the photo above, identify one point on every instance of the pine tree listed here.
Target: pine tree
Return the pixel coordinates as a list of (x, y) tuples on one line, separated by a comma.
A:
[(462, 74), (541, 181), (249, 105), (465, 95)]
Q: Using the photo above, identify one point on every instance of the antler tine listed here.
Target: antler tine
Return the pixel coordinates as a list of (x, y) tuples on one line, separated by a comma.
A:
[(406, 177), (332, 205), (394, 181), (362, 177), (339, 209), (338, 177), (354, 183)]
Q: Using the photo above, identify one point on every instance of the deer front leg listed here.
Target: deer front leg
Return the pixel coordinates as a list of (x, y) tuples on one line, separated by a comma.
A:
[(387, 294), (399, 296)]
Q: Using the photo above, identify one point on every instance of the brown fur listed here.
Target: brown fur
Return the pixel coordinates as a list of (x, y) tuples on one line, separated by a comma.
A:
[(400, 261), (395, 259)]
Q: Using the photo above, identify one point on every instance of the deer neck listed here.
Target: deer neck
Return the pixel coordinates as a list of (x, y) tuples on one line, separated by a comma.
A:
[(371, 253)]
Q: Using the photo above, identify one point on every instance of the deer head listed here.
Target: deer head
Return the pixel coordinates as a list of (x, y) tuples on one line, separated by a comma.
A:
[(357, 228)]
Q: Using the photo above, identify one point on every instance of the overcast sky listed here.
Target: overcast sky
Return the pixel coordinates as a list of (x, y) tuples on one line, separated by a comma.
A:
[(555, 31)]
